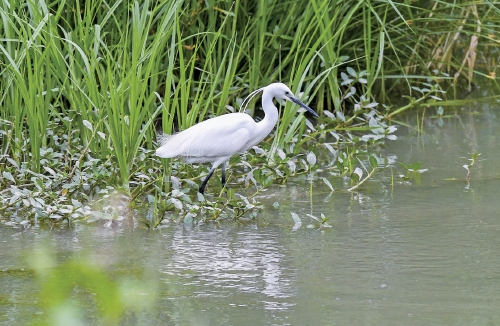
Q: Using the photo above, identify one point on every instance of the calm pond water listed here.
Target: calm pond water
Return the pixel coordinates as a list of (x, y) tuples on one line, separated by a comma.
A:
[(407, 254)]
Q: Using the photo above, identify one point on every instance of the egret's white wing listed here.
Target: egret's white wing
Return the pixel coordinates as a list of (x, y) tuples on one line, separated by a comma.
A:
[(209, 140)]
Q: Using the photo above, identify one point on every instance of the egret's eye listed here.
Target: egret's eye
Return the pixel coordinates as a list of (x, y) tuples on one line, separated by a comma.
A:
[(287, 93)]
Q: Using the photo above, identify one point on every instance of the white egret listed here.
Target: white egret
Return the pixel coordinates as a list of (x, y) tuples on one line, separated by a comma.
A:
[(217, 139)]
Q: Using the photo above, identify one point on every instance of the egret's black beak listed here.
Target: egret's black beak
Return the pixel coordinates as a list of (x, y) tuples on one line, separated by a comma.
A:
[(299, 102)]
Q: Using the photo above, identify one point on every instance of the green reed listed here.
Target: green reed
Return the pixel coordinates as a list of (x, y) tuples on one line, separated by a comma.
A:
[(130, 68)]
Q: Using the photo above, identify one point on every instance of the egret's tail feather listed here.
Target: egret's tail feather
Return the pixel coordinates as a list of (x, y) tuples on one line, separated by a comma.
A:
[(162, 138)]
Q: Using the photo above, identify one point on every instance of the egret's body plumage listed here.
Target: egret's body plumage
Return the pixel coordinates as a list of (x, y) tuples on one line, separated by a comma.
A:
[(216, 140)]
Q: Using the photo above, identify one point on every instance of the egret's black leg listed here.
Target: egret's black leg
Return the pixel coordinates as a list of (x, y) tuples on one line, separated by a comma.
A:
[(204, 183), (223, 179)]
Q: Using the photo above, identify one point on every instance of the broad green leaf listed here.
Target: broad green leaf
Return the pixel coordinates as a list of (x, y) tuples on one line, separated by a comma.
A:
[(352, 72), (7, 175), (296, 217), (325, 180), (87, 124), (311, 158), (373, 161)]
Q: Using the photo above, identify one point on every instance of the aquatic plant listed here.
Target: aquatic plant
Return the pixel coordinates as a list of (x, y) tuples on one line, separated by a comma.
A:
[(473, 159), (67, 291), (412, 172), (84, 88)]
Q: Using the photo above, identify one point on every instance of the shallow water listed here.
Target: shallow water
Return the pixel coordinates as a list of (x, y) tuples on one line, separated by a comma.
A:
[(396, 254)]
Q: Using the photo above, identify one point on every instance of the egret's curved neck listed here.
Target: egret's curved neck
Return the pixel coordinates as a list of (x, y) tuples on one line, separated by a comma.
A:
[(270, 111)]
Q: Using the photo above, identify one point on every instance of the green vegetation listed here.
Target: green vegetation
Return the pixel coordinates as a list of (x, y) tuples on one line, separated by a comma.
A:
[(81, 291), (85, 86), (413, 172), (474, 158)]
